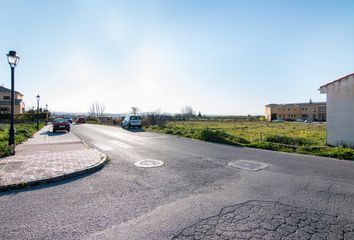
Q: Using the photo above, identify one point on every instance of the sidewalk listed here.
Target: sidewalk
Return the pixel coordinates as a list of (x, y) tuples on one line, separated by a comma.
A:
[(48, 157)]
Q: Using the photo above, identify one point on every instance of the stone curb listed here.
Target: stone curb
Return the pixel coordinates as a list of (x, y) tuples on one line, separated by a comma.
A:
[(90, 169)]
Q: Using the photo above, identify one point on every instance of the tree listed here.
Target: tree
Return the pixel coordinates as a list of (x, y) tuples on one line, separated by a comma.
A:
[(97, 110), (135, 110), (156, 118), (188, 112)]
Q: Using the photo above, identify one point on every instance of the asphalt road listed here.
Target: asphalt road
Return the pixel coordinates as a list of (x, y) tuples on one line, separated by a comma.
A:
[(194, 195)]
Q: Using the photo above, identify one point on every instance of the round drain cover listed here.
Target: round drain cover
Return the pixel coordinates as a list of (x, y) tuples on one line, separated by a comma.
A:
[(248, 165), (149, 163)]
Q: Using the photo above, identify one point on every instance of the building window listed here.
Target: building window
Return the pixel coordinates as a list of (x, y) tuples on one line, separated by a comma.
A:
[(6, 97)]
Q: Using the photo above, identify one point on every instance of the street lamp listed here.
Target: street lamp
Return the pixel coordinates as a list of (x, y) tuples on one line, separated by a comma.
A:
[(46, 114), (12, 58), (38, 98)]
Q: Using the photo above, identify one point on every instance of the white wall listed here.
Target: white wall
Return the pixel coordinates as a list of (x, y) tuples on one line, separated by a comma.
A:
[(340, 112)]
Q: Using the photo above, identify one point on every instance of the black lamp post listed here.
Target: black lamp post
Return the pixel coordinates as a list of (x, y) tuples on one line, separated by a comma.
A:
[(46, 114), (38, 98), (12, 58)]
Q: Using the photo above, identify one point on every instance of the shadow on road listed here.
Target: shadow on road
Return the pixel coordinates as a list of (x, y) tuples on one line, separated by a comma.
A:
[(50, 134), (134, 129), (45, 185)]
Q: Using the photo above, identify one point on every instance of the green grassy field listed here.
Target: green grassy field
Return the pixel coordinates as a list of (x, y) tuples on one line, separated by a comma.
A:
[(252, 130), (305, 138)]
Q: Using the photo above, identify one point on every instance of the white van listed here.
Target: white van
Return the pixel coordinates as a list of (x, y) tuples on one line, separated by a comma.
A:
[(131, 121)]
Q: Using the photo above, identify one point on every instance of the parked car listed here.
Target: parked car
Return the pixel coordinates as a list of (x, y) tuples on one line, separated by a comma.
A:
[(308, 121), (80, 120), (131, 121), (299, 120), (278, 120), (61, 124), (69, 119)]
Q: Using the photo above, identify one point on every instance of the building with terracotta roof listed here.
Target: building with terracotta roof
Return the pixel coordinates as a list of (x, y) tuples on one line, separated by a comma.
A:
[(314, 111), (5, 101), (340, 111)]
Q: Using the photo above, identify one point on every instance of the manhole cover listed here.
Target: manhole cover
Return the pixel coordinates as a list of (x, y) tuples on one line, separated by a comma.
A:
[(248, 165), (149, 163)]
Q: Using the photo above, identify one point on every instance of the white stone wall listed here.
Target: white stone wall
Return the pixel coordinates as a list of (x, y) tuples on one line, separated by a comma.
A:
[(340, 112)]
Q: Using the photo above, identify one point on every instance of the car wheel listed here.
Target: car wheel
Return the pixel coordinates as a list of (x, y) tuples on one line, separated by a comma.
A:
[(68, 130)]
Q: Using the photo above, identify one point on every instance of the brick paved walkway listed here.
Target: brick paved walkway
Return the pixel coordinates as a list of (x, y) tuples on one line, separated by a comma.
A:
[(48, 157)]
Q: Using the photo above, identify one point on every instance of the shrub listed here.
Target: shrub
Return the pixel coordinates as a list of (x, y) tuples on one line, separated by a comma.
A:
[(117, 121), (24, 132), (212, 136), (297, 141), (178, 132), (238, 140), (168, 131), (5, 149), (155, 118), (3, 127), (219, 136), (338, 152), (273, 146)]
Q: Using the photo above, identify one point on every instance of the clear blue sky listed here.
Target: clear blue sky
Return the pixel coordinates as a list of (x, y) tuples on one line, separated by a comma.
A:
[(220, 57)]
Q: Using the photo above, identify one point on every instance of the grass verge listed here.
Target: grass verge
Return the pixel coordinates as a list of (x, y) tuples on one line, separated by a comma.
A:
[(285, 137)]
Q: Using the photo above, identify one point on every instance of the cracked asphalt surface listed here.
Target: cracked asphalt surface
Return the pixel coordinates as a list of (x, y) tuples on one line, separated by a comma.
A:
[(194, 195), (269, 220)]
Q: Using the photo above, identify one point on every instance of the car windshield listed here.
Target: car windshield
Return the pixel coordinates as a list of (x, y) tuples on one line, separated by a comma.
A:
[(60, 120), (135, 118)]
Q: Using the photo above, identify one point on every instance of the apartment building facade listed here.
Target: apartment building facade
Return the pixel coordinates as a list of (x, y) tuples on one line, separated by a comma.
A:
[(314, 111), (5, 101)]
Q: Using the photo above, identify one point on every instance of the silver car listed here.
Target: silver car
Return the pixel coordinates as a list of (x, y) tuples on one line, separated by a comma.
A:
[(131, 121)]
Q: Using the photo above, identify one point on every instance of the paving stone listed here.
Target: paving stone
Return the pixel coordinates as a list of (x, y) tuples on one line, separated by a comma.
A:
[(33, 163)]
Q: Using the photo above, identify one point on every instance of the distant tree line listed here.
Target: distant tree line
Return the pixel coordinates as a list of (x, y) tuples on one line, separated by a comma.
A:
[(97, 114)]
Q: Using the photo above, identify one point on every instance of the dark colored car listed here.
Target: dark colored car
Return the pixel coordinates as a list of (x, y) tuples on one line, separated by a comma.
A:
[(69, 119), (80, 120), (61, 124)]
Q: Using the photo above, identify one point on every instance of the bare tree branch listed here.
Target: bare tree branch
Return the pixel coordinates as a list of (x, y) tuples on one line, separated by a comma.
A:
[(97, 110), (135, 110), (188, 112)]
